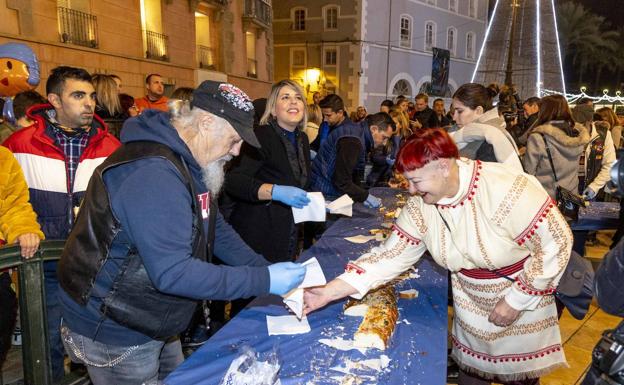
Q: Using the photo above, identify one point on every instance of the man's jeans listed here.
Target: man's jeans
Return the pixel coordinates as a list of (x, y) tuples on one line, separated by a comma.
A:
[(145, 364)]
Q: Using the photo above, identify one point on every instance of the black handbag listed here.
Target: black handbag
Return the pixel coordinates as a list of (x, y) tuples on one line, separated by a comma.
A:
[(568, 202), (576, 287)]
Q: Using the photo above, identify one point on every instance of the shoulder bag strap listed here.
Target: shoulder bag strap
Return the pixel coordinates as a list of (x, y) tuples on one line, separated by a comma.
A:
[(552, 165)]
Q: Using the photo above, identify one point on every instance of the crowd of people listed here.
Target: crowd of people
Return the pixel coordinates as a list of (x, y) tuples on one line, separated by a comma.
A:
[(167, 204)]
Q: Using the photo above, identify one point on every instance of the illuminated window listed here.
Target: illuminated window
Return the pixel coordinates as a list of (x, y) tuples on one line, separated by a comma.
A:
[(252, 64), (155, 43)]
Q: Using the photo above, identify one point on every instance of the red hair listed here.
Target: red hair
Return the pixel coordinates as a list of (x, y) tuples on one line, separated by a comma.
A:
[(424, 146)]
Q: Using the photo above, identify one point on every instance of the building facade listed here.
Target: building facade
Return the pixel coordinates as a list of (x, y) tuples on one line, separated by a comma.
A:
[(186, 41), (370, 50)]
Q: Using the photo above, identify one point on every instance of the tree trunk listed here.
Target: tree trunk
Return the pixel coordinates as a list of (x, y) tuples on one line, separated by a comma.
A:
[(597, 81), (581, 71)]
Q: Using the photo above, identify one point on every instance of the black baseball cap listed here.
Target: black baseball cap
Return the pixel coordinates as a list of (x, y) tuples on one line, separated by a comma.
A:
[(230, 103)]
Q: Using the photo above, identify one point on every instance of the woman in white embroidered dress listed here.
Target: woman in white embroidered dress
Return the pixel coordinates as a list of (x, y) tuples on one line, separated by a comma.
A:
[(484, 222)]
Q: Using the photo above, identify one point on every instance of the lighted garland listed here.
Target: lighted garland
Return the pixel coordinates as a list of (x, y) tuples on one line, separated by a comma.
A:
[(573, 98)]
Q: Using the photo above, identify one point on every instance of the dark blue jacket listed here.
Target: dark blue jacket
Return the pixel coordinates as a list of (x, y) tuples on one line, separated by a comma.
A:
[(324, 163), (153, 205)]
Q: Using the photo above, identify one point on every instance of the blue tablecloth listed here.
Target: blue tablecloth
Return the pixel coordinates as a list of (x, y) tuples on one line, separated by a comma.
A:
[(598, 216), (417, 349)]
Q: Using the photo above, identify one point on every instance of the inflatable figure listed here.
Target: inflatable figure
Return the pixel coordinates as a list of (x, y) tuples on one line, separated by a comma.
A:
[(19, 71)]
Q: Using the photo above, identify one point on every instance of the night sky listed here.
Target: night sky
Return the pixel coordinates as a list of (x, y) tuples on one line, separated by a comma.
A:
[(612, 10)]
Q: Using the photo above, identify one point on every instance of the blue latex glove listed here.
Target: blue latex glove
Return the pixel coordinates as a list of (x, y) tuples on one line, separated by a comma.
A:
[(372, 201), (589, 194), (390, 161), (285, 276), (290, 195)]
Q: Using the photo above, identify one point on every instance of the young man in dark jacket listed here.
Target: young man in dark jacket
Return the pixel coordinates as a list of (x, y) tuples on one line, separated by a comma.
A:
[(142, 244), (339, 166)]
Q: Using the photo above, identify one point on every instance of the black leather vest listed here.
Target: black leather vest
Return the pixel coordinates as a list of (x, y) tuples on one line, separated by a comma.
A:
[(133, 301)]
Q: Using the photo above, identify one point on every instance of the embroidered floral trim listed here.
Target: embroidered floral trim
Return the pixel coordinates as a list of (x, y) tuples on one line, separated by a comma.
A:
[(507, 357), (236, 97), (403, 234), (525, 287), (471, 188), (539, 218), (352, 267)]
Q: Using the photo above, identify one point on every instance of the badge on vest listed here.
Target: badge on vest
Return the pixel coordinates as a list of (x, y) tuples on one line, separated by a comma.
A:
[(204, 202)]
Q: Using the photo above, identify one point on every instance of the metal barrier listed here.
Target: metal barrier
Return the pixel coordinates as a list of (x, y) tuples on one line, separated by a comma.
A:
[(35, 349)]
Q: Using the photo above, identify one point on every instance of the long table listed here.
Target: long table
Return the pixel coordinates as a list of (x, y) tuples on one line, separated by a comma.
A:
[(417, 349), (598, 216)]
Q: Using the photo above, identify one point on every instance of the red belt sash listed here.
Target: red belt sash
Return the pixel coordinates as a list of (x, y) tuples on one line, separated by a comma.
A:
[(493, 274)]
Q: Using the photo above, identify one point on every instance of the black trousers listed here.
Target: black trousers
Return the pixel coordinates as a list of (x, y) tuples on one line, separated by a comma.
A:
[(8, 314)]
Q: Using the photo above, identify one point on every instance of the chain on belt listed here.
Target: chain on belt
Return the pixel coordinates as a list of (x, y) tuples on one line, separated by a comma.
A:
[(80, 355)]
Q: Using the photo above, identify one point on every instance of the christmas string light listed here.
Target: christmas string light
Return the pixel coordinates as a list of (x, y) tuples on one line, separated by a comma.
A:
[(573, 98)]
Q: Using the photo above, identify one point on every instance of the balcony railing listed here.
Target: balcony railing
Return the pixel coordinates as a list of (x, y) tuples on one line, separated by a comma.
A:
[(77, 27), (157, 46), (219, 2), (258, 11), (252, 68), (206, 57)]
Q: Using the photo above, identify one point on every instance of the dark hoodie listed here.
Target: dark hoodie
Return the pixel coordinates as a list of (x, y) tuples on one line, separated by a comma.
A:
[(153, 205)]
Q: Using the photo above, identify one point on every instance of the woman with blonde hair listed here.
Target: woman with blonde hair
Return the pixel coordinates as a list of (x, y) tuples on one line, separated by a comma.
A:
[(108, 105), (315, 118), (268, 181), (610, 117), (402, 123)]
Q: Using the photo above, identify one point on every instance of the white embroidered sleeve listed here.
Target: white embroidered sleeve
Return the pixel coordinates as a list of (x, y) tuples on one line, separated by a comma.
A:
[(398, 253), (548, 240)]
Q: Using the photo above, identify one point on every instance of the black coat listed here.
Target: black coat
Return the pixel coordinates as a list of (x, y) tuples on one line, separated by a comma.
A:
[(608, 281), (268, 226)]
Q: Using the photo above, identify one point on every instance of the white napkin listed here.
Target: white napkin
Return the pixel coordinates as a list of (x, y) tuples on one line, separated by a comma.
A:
[(342, 205), (287, 324), (314, 277), (313, 211), (361, 238)]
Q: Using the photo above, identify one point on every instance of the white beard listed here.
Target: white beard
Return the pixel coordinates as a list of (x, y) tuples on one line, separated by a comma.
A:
[(214, 175)]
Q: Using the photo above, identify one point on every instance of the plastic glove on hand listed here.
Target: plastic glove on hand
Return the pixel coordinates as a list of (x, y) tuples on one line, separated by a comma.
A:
[(372, 201), (312, 154), (589, 194), (390, 161), (285, 276), (290, 195)]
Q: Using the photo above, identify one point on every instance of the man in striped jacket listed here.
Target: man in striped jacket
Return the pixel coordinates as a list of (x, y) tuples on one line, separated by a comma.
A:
[(58, 154)]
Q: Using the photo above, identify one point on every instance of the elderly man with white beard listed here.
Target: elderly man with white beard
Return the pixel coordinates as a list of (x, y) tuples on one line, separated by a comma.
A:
[(139, 256)]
